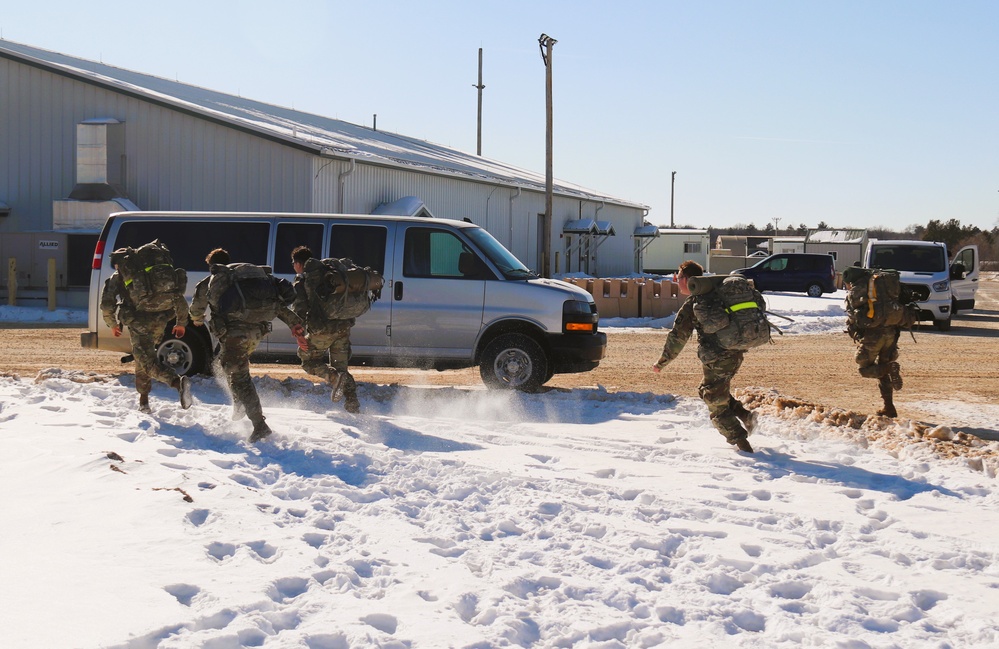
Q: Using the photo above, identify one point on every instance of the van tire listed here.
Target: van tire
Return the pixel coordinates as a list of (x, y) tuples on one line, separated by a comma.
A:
[(513, 361), (814, 290), (942, 325), (187, 356)]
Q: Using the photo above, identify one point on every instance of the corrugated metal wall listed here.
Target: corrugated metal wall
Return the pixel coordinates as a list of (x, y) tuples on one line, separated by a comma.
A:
[(174, 161), (178, 161), (509, 215)]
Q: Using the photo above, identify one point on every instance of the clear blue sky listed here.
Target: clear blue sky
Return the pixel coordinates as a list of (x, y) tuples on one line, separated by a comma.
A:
[(855, 113)]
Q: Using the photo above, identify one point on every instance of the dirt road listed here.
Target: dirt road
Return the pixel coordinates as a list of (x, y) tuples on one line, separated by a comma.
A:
[(959, 364)]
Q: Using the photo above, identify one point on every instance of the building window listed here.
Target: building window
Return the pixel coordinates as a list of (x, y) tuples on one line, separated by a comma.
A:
[(833, 254), (691, 246)]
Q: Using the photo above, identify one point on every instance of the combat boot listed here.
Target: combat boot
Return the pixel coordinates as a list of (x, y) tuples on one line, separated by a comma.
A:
[(885, 387), (743, 445), (336, 386), (260, 431), (350, 404), (144, 403), (184, 390), (894, 376)]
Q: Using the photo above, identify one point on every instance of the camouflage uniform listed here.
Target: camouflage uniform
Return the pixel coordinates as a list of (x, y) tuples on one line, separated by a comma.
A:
[(146, 331), (719, 365), (877, 358), (324, 335), (238, 340)]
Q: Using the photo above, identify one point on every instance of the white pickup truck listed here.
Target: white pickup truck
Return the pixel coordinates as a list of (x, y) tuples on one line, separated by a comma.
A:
[(941, 287)]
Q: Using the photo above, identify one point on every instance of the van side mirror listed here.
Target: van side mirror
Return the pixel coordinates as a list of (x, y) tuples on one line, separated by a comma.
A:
[(958, 271)]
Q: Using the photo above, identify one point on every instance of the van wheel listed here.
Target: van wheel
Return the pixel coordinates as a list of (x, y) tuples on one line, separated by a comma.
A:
[(942, 325), (187, 356), (814, 290), (513, 362)]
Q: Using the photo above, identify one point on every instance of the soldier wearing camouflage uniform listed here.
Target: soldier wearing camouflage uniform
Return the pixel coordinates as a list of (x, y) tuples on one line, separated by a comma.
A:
[(328, 339), (146, 331), (728, 414), (240, 339), (877, 354)]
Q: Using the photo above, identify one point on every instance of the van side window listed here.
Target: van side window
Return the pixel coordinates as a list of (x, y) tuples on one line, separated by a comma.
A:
[(292, 235), (778, 263), (364, 244), (191, 241), (433, 253)]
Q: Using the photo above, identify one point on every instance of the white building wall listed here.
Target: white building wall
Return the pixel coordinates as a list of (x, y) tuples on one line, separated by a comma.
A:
[(174, 160), (508, 214)]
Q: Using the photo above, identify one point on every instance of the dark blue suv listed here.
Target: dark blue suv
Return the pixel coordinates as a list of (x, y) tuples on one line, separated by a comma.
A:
[(809, 273)]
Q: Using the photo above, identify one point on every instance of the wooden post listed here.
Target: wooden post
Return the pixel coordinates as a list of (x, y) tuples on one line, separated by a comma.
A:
[(52, 284), (12, 281)]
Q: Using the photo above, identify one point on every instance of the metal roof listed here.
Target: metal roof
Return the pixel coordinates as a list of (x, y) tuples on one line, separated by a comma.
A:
[(836, 236), (320, 135)]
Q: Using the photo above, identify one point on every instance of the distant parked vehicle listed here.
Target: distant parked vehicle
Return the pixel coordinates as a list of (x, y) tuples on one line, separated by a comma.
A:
[(813, 274)]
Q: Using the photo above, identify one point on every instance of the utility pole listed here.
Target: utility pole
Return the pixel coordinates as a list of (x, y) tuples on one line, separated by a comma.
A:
[(480, 87), (547, 43), (672, 183)]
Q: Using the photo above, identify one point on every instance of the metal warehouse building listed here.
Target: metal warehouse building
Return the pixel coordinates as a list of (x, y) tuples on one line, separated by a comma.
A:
[(80, 140)]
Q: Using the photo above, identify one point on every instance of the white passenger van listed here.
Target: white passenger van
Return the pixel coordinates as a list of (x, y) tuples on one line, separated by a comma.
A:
[(941, 287), (454, 297)]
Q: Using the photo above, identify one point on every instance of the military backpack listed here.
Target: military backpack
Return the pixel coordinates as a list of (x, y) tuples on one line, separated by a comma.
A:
[(244, 293), (730, 310), (150, 278), (877, 298), (339, 289)]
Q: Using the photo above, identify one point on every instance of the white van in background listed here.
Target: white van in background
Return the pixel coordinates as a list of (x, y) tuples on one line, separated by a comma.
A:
[(941, 287), (454, 297)]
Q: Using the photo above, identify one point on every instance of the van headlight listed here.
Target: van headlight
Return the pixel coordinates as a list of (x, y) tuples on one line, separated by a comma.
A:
[(941, 286), (579, 317)]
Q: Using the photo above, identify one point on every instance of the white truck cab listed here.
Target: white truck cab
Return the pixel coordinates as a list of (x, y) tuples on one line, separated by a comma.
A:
[(942, 286)]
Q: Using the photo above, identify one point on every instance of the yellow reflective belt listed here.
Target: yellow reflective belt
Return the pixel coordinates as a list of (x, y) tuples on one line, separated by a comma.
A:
[(743, 305)]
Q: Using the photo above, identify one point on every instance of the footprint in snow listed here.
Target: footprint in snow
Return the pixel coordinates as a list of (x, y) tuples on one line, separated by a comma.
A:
[(184, 593), (220, 551), (288, 588)]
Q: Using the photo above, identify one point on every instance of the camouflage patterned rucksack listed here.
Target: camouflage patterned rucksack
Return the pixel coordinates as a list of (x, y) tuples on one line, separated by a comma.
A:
[(731, 310), (150, 278), (877, 298), (340, 289), (244, 293)]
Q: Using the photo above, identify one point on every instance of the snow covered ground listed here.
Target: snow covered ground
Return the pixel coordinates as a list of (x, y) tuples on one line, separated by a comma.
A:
[(444, 517)]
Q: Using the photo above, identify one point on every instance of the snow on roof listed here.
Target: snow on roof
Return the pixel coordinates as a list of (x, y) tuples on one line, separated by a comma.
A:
[(665, 230), (836, 236), (321, 135)]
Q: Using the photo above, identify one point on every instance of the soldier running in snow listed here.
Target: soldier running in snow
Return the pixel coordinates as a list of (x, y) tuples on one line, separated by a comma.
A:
[(329, 295), (244, 299), (728, 414), (875, 323), (130, 300)]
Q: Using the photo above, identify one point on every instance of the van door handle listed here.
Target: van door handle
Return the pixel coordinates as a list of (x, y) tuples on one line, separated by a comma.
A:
[(398, 291)]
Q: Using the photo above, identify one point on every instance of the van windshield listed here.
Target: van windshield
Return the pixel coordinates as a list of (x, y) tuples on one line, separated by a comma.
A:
[(915, 259), (503, 259)]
